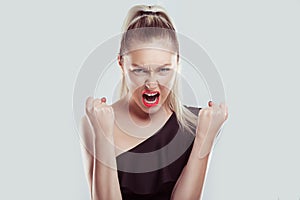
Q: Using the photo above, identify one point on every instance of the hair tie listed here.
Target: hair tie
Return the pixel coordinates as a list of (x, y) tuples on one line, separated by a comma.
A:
[(148, 12)]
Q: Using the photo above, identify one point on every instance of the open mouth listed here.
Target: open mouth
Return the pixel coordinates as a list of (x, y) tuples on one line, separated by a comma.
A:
[(150, 98)]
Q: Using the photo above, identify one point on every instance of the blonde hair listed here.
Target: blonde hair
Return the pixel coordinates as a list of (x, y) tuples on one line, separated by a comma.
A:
[(143, 16)]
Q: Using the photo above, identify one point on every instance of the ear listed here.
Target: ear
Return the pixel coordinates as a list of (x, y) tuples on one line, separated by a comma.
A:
[(120, 61)]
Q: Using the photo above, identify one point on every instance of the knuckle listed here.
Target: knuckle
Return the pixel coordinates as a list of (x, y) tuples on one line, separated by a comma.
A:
[(88, 101), (202, 112), (209, 112), (97, 105), (226, 115), (89, 108)]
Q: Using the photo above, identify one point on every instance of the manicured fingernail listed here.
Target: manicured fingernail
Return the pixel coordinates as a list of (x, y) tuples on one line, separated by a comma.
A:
[(103, 99)]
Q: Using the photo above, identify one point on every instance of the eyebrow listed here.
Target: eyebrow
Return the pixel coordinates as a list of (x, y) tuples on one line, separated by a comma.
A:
[(164, 65)]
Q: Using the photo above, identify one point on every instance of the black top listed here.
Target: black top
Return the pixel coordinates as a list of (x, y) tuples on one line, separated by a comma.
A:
[(151, 169)]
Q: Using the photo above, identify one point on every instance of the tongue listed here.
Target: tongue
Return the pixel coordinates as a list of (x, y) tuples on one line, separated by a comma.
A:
[(150, 98)]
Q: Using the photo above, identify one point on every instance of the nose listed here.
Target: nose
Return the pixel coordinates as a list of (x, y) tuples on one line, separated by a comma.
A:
[(151, 82), (151, 85)]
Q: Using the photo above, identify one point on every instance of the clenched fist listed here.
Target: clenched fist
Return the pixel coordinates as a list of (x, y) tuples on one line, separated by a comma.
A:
[(210, 120), (101, 117)]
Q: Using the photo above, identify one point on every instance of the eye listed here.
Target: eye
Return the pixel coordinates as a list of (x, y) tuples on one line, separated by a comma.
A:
[(165, 69), (140, 71), (137, 70)]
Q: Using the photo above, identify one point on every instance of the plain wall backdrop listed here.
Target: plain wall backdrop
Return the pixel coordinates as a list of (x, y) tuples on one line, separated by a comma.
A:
[(254, 44)]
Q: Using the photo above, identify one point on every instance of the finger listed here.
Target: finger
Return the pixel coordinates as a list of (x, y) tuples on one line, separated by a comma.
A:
[(226, 113), (89, 104), (99, 104), (214, 106), (224, 109), (222, 105), (103, 99)]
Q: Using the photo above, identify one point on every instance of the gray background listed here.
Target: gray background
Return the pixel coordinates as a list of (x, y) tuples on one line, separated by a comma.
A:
[(254, 45)]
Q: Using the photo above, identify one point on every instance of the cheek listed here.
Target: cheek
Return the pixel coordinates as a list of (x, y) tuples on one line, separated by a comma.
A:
[(133, 82), (167, 81)]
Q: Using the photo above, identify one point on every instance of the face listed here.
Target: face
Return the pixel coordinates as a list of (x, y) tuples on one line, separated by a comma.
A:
[(149, 76)]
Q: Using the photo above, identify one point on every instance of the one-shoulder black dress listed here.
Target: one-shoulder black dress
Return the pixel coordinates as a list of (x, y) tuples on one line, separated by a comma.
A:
[(150, 170)]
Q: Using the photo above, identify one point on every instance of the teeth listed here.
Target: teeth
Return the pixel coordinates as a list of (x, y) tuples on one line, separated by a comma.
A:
[(151, 101), (153, 94)]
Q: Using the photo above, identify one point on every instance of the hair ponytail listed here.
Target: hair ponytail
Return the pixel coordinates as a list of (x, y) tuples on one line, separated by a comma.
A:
[(155, 15)]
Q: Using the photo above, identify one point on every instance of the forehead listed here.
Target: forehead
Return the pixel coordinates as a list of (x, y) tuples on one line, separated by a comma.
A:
[(150, 56)]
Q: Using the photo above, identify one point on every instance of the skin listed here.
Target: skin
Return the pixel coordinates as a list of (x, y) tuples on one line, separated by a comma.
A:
[(150, 70), (160, 67), (103, 141), (190, 183)]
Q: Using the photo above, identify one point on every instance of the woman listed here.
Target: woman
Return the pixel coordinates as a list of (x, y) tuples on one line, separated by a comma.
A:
[(146, 118)]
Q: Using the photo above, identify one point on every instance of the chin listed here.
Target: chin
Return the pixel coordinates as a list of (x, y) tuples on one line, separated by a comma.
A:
[(153, 109), (148, 101)]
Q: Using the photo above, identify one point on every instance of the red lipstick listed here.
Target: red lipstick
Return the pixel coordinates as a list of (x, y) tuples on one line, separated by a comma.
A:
[(150, 98)]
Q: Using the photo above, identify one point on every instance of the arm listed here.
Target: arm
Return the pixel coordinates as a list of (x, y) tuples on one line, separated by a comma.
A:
[(190, 183), (87, 151), (102, 180)]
